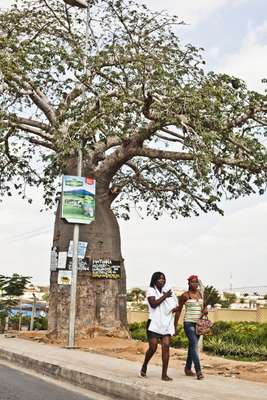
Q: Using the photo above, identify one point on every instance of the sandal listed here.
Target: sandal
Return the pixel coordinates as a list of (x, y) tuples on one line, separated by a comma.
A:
[(142, 374), (166, 378), (188, 372), (200, 375)]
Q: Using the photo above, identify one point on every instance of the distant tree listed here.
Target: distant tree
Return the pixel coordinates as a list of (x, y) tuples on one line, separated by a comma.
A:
[(11, 288), (229, 298), (211, 296), (45, 297), (136, 295), (246, 294), (265, 297)]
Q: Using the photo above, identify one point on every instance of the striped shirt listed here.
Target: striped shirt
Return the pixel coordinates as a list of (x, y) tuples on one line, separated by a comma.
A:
[(193, 310)]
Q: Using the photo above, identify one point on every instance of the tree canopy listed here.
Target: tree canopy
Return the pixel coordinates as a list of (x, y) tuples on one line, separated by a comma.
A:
[(156, 129), (11, 288), (136, 294), (211, 296)]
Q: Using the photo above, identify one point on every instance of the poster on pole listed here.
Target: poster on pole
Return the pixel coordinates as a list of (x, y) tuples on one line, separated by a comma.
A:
[(82, 246), (62, 260), (54, 258), (78, 199)]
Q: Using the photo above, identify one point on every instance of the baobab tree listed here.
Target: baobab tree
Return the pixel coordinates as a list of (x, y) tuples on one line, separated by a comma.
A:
[(156, 131)]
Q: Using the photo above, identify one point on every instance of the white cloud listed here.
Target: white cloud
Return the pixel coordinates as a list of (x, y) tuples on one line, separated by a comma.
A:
[(212, 246), (25, 238), (5, 3), (250, 61), (191, 11)]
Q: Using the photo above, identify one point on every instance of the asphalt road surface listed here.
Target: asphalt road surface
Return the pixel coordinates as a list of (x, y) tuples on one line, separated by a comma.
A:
[(15, 384)]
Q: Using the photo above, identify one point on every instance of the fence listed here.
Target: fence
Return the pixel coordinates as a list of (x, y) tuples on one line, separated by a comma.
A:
[(221, 314)]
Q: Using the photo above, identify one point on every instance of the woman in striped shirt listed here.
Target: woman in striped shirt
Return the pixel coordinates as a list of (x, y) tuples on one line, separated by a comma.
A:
[(194, 310)]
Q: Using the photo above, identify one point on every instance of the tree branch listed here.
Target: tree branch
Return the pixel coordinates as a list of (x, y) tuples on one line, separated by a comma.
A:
[(162, 154), (170, 132), (28, 125), (168, 138), (36, 95), (182, 156), (250, 114), (40, 143), (11, 157), (70, 97)]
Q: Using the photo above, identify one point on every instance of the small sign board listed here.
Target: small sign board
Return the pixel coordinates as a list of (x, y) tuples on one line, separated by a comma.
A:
[(54, 258), (106, 269), (84, 264), (62, 260), (82, 246), (64, 277)]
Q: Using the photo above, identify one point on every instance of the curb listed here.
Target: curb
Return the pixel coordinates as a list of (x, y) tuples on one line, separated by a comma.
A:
[(105, 386)]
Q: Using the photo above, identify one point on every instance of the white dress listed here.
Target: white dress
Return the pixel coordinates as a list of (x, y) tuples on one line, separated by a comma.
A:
[(162, 318)]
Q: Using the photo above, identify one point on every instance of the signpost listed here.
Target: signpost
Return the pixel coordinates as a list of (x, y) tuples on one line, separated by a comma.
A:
[(73, 288), (71, 337)]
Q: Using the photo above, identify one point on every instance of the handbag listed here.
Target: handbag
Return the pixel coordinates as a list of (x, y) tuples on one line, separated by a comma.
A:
[(204, 326)]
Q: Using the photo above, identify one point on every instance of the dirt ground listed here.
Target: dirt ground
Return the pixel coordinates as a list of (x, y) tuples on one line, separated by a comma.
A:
[(134, 350)]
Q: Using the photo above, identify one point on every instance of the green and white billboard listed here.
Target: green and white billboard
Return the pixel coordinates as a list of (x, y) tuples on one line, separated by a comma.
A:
[(78, 199)]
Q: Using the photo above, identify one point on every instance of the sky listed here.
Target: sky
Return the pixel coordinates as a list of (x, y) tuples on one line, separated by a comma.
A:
[(224, 251)]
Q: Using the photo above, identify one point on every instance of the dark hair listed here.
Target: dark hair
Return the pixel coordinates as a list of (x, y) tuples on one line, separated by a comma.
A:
[(155, 277)]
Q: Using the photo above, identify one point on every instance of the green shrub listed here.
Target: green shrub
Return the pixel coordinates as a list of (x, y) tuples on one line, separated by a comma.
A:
[(237, 340), (247, 351), (40, 323), (139, 334), (137, 325)]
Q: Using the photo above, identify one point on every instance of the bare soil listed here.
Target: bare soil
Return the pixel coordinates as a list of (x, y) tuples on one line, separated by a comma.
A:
[(134, 350)]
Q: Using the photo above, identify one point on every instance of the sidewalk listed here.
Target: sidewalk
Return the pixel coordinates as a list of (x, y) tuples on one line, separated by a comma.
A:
[(118, 378)]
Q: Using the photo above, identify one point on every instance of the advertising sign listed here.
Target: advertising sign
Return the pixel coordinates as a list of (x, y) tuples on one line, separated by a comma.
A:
[(78, 199)]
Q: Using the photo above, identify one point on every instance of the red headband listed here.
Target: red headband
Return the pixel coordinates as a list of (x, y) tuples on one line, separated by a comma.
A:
[(192, 277)]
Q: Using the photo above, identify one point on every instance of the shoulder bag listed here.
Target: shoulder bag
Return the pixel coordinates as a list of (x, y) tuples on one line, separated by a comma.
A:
[(204, 326)]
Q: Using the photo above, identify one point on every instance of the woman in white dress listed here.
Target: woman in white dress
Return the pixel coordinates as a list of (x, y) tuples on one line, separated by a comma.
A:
[(162, 303)]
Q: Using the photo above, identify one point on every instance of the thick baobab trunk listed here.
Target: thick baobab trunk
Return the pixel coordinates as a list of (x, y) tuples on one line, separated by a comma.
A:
[(101, 303)]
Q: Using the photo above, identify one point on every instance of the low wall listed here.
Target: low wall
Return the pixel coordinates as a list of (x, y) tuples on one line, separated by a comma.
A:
[(226, 314), (136, 316), (219, 314)]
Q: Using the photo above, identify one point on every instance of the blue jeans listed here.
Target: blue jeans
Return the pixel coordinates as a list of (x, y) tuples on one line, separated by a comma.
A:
[(192, 355)]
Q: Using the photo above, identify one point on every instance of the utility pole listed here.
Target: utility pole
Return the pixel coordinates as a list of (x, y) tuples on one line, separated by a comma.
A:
[(20, 313), (73, 290), (33, 311)]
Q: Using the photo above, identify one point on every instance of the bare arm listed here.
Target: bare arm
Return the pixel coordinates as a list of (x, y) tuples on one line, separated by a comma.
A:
[(182, 301), (155, 303)]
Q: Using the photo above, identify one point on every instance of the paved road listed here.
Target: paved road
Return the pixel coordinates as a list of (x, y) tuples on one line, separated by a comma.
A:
[(17, 385)]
